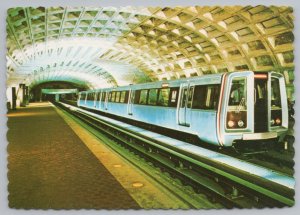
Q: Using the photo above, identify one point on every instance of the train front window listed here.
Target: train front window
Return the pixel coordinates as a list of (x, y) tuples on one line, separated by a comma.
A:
[(276, 111), (275, 93), (237, 96), (237, 104)]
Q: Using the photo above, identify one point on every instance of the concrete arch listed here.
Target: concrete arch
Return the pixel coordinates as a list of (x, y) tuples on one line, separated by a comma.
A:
[(137, 44)]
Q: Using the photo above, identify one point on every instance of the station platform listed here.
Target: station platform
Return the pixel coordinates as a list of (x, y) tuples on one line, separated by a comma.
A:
[(55, 162), (50, 167)]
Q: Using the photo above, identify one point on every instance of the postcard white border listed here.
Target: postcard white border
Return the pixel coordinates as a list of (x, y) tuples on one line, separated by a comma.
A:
[(5, 4)]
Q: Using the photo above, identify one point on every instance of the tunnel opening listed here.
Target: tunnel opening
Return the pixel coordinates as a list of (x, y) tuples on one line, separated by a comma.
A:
[(46, 91)]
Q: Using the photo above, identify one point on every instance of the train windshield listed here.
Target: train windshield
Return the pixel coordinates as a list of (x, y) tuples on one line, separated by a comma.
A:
[(237, 98), (275, 94), (276, 111)]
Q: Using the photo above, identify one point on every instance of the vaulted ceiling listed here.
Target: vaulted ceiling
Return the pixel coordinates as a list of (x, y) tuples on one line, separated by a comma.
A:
[(110, 46)]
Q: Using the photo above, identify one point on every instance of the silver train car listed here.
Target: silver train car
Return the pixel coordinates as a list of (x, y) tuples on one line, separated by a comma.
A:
[(221, 109)]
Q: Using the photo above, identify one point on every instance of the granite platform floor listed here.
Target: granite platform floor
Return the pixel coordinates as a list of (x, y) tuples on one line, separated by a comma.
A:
[(50, 167)]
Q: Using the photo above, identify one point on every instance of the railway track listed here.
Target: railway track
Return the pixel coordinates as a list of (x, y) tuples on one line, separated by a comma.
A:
[(221, 184), (184, 194), (276, 159)]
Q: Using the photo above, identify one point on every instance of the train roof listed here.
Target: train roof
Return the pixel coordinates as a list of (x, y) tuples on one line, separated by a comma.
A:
[(201, 80)]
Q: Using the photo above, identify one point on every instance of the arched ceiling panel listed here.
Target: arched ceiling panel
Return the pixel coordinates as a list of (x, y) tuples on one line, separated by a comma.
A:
[(202, 40), (117, 46)]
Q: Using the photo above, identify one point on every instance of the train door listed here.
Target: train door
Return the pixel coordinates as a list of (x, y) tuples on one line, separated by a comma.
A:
[(130, 102), (261, 122), (185, 104)]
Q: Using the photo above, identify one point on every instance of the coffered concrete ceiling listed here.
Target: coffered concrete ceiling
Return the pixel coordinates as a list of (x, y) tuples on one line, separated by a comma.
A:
[(110, 46)]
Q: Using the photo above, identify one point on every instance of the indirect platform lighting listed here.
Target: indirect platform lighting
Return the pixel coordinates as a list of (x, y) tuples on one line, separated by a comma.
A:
[(137, 184)]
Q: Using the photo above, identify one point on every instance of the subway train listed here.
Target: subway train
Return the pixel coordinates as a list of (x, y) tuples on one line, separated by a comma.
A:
[(220, 109)]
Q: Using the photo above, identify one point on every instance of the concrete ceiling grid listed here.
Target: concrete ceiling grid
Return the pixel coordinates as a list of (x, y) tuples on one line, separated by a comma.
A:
[(111, 46)]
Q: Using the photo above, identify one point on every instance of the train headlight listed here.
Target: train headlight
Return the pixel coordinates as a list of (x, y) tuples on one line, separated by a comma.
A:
[(241, 123), (230, 123), (278, 121), (272, 122)]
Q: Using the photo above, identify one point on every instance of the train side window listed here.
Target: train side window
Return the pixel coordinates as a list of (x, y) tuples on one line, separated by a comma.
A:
[(173, 97), (122, 96), (163, 97), (136, 96), (90, 96), (118, 96), (212, 97), (199, 97), (103, 96), (98, 96), (113, 96), (126, 96), (109, 96), (82, 96), (152, 97), (206, 97), (143, 97)]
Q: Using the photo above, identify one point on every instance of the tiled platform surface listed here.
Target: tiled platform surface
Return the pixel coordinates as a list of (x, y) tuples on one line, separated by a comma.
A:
[(50, 167)]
